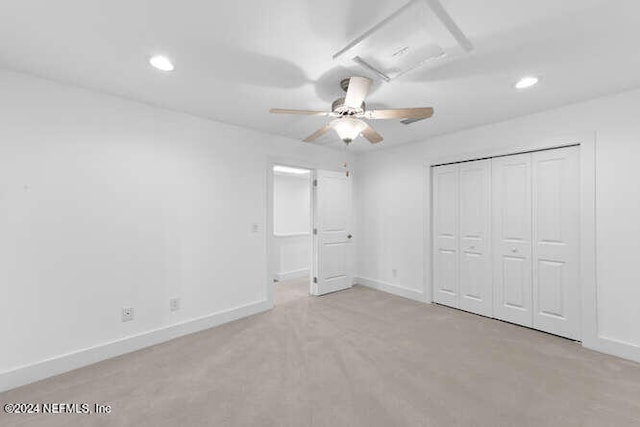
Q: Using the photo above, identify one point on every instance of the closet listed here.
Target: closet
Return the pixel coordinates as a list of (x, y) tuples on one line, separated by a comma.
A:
[(506, 238)]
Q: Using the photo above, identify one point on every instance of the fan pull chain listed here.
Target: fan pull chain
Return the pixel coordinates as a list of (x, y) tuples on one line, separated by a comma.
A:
[(345, 165)]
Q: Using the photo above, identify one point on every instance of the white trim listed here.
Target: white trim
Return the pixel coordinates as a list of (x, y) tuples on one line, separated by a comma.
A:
[(304, 176), (315, 291), (88, 356), (294, 274), (588, 245), (534, 144), (297, 234), (389, 288), (615, 347), (427, 226)]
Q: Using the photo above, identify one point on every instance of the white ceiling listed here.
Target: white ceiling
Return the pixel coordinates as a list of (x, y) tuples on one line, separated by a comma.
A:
[(235, 60)]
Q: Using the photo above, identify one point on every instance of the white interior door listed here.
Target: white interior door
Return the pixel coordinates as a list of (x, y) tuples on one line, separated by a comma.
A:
[(512, 238), (446, 241), (475, 286), (556, 293), (333, 232)]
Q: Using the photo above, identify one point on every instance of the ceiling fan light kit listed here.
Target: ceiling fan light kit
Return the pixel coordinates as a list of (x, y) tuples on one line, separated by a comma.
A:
[(348, 128), (419, 33)]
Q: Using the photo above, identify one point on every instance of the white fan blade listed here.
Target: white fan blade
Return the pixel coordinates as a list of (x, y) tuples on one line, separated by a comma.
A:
[(317, 133), (371, 135), (400, 113), (357, 90), (300, 112)]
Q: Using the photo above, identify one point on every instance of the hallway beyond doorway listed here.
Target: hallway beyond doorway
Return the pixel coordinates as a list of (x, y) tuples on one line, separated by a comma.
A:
[(290, 290)]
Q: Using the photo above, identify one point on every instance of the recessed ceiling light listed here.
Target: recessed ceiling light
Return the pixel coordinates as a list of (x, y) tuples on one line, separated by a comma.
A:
[(526, 82), (161, 63)]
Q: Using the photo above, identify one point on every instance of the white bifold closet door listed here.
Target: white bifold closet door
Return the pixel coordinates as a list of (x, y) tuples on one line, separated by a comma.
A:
[(445, 201), (475, 289), (506, 238), (556, 292), (536, 233), (512, 273), (462, 212)]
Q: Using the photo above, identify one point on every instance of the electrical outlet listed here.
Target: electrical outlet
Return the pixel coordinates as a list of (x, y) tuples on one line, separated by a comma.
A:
[(394, 272), (174, 304), (127, 314)]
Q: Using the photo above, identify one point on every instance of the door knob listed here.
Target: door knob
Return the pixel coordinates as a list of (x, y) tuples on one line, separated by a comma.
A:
[(349, 236), (514, 250)]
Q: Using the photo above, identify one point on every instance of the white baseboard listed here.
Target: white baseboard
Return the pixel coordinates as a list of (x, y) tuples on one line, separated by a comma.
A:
[(291, 275), (605, 345), (68, 362), (615, 347), (390, 288)]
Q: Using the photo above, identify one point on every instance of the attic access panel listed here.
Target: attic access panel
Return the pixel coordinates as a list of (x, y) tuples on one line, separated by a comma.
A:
[(419, 33)]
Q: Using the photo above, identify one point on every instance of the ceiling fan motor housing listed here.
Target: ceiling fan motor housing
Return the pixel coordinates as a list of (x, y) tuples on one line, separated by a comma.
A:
[(340, 109), (344, 83)]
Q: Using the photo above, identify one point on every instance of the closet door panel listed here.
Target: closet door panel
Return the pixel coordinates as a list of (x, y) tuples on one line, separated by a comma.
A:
[(446, 236), (512, 232), (475, 224), (556, 292)]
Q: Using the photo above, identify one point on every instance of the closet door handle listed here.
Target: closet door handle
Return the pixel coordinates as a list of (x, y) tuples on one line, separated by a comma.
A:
[(514, 250)]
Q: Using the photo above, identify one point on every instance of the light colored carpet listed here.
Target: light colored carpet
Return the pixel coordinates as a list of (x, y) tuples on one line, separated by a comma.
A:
[(353, 358), (291, 290)]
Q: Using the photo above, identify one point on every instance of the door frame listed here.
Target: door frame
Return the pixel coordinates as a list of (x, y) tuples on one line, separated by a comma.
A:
[(588, 251), (270, 237)]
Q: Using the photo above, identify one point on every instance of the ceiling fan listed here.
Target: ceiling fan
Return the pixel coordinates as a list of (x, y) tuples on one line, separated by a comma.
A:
[(349, 112)]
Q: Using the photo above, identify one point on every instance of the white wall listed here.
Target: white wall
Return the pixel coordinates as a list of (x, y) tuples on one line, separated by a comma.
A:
[(390, 186), (292, 256), (291, 203), (106, 203), (292, 225)]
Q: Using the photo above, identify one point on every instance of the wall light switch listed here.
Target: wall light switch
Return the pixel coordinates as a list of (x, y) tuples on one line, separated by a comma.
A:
[(127, 314)]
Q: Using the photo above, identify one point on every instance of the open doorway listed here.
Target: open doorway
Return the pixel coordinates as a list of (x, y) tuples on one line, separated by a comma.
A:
[(292, 238), (309, 238)]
